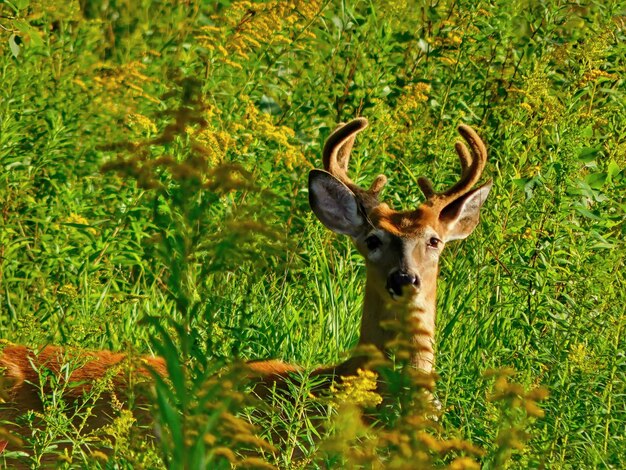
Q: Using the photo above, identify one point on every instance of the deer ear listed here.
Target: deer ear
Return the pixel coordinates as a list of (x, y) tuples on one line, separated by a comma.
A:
[(460, 217), (334, 204)]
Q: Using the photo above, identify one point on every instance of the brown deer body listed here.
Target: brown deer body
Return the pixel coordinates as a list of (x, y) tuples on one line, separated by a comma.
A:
[(401, 251), (21, 369)]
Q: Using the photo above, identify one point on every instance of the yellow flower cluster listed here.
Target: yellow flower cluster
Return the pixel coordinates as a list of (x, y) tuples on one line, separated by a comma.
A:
[(515, 395), (594, 75), (449, 37), (581, 359), (528, 234), (592, 52), (464, 463), (448, 61), (358, 389), (412, 99), (231, 433), (538, 94), (116, 88), (140, 122), (80, 220), (259, 124), (578, 354), (65, 10), (213, 144), (69, 291), (252, 26), (76, 219), (527, 107)]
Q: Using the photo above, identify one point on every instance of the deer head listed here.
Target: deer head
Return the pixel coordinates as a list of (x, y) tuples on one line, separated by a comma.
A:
[(401, 248)]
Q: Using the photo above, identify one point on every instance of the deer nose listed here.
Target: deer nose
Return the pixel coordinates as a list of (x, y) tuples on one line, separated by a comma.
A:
[(400, 278)]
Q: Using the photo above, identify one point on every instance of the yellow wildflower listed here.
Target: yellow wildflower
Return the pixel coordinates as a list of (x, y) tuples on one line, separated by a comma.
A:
[(80, 220), (594, 75), (141, 122), (69, 291), (448, 60), (358, 389), (527, 107), (455, 39)]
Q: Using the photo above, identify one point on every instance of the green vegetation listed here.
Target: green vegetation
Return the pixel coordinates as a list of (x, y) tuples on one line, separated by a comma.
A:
[(153, 167)]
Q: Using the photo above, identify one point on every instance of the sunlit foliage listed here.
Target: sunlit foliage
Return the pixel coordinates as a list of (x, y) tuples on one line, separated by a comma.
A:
[(153, 168)]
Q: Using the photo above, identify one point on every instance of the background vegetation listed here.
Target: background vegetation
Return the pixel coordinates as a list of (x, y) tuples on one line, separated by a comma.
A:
[(153, 162)]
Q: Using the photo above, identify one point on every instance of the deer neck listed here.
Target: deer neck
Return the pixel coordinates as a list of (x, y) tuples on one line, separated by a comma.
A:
[(378, 308)]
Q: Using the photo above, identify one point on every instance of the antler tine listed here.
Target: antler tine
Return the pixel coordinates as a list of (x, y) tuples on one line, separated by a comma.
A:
[(336, 156), (472, 166), (344, 151), (464, 156), (427, 187)]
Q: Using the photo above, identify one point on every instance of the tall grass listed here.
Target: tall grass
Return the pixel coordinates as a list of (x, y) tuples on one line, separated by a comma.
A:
[(153, 200)]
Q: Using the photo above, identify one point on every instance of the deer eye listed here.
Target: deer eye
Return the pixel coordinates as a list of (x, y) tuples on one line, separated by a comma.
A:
[(373, 242), (433, 242)]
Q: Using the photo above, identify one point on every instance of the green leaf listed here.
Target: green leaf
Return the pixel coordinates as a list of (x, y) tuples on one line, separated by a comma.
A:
[(587, 131), (13, 45), (171, 419), (588, 154), (28, 31), (521, 182), (613, 171), (606, 246), (596, 180), (167, 349), (587, 213), (270, 106)]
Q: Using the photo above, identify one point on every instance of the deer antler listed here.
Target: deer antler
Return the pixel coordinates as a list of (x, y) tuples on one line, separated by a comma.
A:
[(336, 156), (472, 166)]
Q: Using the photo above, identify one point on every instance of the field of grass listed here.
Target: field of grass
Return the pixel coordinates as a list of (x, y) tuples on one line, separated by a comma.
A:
[(153, 198)]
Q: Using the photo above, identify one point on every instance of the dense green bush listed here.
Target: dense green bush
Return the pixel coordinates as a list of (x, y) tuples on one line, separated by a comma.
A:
[(153, 162)]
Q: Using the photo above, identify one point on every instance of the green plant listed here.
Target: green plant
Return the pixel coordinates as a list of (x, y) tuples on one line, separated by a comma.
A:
[(200, 245)]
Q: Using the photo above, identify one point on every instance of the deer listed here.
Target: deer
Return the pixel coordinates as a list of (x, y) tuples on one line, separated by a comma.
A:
[(401, 248), (401, 251)]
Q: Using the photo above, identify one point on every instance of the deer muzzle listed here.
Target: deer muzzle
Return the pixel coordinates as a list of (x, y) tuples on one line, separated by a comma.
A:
[(401, 282)]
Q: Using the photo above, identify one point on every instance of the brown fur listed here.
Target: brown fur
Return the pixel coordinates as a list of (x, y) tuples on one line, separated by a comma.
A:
[(403, 224), (21, 368)]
